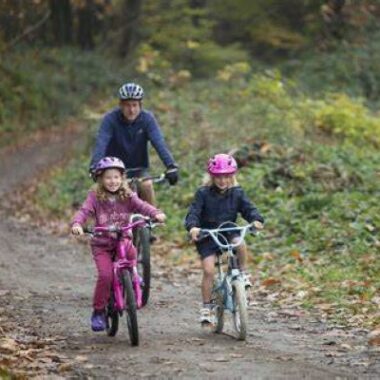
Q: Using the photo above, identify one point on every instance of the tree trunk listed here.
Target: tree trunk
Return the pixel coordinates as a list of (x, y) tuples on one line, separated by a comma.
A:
[(86, 24), (333, 17), (62, 21), (130, 17), (197, 4)]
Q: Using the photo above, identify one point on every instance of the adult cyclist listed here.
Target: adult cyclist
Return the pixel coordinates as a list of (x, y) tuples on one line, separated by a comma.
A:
[(125, 132)]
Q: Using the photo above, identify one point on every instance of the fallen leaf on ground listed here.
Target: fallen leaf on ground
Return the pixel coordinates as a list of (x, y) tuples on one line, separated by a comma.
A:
[(374, 337), (270, 281)]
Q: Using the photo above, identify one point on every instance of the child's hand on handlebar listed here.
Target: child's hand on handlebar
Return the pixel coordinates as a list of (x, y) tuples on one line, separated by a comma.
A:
[(258, 225), (161, 217), (194, 233), (77, 229)]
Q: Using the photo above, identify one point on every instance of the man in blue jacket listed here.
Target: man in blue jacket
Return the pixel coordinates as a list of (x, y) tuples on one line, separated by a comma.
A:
[(125, 132)]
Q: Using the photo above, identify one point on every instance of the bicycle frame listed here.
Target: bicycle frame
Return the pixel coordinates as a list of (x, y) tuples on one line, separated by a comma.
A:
[(121, 262), (229, 292), (224, 280)]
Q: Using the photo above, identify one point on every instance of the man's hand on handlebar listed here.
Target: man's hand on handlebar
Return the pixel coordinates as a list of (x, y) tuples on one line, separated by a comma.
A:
[(171, 174)]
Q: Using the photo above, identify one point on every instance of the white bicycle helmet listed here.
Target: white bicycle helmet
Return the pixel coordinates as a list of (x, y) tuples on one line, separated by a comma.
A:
[(131, 91)]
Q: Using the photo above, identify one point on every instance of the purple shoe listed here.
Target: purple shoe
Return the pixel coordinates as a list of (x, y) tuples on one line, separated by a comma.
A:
[(98, 321)]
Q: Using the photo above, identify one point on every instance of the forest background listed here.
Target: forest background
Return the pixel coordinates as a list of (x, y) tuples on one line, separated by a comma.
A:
[(291, 87)]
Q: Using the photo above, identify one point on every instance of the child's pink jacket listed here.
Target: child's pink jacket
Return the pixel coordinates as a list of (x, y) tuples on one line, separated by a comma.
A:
[(111, 212)]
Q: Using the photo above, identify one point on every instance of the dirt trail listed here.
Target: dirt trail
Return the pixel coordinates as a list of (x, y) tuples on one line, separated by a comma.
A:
[(46, 284)]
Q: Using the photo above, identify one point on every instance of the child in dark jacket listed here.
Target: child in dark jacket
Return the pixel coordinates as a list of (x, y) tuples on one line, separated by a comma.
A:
[(111, 202), (220, 200)]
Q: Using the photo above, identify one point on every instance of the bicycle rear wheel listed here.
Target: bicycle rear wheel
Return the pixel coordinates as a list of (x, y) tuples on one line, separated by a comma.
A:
[(142, 244), (240, 313), (112, 318), (131, 309)]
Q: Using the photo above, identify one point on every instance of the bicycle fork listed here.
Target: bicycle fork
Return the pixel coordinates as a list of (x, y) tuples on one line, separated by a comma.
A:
[(118, 286)]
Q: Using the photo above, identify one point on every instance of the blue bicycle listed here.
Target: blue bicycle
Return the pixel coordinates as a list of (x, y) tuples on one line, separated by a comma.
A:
[(229, 292)]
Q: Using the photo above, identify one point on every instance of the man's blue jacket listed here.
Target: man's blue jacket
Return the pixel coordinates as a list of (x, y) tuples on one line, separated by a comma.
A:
[(128, 141)]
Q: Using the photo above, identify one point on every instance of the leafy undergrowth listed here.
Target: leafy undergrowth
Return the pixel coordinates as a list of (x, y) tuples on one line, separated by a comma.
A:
[(317, 185), (39, 88)]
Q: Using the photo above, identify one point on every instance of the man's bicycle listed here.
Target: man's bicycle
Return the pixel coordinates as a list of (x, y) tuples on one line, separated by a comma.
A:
[(126, 292), (229, 292), (142, 235)]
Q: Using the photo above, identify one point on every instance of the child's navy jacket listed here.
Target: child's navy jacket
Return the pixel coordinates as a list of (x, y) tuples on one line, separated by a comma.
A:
[(211, 207)]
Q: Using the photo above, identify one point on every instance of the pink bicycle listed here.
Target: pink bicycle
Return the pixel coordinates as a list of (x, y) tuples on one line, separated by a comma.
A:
[(126, 291)]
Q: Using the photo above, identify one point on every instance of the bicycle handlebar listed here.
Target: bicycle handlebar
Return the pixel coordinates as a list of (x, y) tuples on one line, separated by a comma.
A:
[(216, 232), (137, 220), (160, 178)]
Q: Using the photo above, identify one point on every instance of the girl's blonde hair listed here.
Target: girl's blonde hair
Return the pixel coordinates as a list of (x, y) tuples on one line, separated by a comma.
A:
[(208, 180), (102, 194)]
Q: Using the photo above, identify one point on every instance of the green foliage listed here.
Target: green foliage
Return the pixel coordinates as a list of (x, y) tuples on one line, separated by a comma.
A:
[(267, 25), (67, 190), (350, 68), (342, 116), (40, 88), (183, 35)]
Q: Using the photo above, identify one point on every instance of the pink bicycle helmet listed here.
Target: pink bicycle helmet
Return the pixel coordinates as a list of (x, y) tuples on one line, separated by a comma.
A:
[(109, 163), (222, 164)]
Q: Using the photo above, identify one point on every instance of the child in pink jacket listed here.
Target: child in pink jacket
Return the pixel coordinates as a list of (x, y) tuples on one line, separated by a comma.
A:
[(110, 202)]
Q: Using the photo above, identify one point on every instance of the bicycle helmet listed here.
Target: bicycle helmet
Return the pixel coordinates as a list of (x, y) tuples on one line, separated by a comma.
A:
[(131, 91), (109, 163), (222, 164)]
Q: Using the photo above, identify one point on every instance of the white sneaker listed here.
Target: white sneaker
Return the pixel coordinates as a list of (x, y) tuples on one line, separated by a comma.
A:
[(207, 316), (246, 280)]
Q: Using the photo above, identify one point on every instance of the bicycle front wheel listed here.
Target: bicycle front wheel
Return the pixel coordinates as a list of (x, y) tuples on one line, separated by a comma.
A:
[(131, 309), (219, 311), (240, 313), (112, 318), (142, 244)]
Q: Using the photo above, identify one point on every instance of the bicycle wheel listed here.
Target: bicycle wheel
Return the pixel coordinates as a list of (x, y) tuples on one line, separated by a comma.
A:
[(142, 244), (112, 318), (240, 314), (219, 311), (131, 309)]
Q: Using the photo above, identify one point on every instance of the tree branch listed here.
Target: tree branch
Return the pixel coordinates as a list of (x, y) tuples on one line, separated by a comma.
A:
[(27, 31)]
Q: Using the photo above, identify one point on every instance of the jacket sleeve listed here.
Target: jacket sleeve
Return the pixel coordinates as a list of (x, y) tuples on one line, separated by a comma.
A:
[(157, 139), (248, 210), (86, 211), (103, 139), (193, 217), (137, 205)]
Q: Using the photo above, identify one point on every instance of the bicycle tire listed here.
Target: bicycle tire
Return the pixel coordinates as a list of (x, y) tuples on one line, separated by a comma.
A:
[(112, 318), (219, 311), (142, 244), (240, 313), (131, 308)]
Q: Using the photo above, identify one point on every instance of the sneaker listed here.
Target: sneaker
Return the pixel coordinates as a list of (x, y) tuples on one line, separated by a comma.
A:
[(207, 316), (98, 321), (246, 280)]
